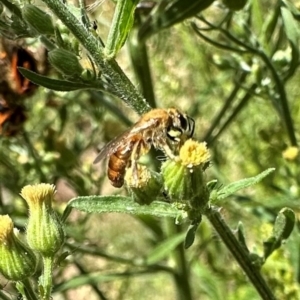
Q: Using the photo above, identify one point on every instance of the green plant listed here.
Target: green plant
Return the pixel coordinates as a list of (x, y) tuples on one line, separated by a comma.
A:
[(253, 67)]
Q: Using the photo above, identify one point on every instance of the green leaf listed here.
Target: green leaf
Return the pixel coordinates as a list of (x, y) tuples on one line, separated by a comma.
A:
[(269, 246), (164, 249), (283, 227), (292, 8), (257, 16), (53, 84), (169, 13), (242, 184), (122, 204), (241, 236), (284, 224), (13, 8), (91, 278), (121, 26), (292, 33), (190, 235)]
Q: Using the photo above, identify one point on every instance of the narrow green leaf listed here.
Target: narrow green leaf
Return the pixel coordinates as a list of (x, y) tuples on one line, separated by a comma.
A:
[(122, 204), (269, 246), (13, 8), (292, 33), (257, 16), (283, 227), (121, 26), (164, 249), (190, 235), (53, 84), (242, 184), (169, 13), (91, 278), (241, 236), (284, 224), (292, 8)]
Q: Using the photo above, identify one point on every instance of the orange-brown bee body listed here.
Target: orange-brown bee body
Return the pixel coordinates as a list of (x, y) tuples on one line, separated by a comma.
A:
[(161, 128)]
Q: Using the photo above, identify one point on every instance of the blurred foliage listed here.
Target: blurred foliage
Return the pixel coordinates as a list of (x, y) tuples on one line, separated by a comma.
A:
[(235, 72)]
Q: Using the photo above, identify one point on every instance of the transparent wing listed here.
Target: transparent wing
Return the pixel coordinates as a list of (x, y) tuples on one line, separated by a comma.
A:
[(138, 128), (112, 146)]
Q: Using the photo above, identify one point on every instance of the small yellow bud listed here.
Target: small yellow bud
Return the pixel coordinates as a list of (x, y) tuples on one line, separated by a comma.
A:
[(17, 261), (45, 233)]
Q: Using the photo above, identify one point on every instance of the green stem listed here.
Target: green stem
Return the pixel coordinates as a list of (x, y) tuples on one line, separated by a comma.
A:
[(208, 136), (181, 275), (243, 102), (122, 85), (239, 253), (140, 62), (3, 296), (46, 278), (25, 288)]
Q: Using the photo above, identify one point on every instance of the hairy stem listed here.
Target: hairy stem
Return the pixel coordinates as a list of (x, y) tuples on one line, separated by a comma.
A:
[(239, 253), (122, 85)]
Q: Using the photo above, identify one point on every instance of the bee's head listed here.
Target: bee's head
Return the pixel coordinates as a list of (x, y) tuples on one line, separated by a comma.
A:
[(181, 126)]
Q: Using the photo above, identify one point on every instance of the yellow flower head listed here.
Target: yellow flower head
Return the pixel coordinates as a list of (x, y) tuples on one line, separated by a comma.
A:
[(36, 195), (290, 153), (6, 228), (193, 154), (17, 260), (45, 232)]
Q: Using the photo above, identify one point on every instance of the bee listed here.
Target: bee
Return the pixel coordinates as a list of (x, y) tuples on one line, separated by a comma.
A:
[(164, 129)]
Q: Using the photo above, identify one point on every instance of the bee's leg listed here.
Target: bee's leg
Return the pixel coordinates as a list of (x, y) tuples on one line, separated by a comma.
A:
[(168, 151), (134, 157)]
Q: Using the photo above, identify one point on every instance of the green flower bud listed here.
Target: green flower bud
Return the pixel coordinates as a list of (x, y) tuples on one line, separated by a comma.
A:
[(38, 19), (146, 187), (235, 4), (17, 261), (45, 233), (184, 178), (65, 62)]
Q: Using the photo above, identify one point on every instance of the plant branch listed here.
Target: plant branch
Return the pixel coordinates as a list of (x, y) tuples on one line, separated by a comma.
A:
[(110, 69), (181, 276), (46, 278), (239, 253)]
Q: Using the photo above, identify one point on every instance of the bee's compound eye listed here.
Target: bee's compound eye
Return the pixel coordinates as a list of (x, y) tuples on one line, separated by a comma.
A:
[(191, 128), (183, 122)]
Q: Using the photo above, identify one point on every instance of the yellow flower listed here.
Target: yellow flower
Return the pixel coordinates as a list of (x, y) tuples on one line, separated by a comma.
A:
[(17, 261), (193, 153), (290, 153), (45, 233), (183, 177)]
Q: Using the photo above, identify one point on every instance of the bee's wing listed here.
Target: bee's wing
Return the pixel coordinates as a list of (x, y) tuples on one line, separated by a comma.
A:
[(112, 146)]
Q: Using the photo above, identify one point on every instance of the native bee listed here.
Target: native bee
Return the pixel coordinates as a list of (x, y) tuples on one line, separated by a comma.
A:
[(164, 129)]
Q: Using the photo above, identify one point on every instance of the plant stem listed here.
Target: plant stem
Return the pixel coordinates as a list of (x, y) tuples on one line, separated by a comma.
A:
[(25, 288), (140, 62), (122, 85), (239, 253), (181, 274), (46, 277)]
